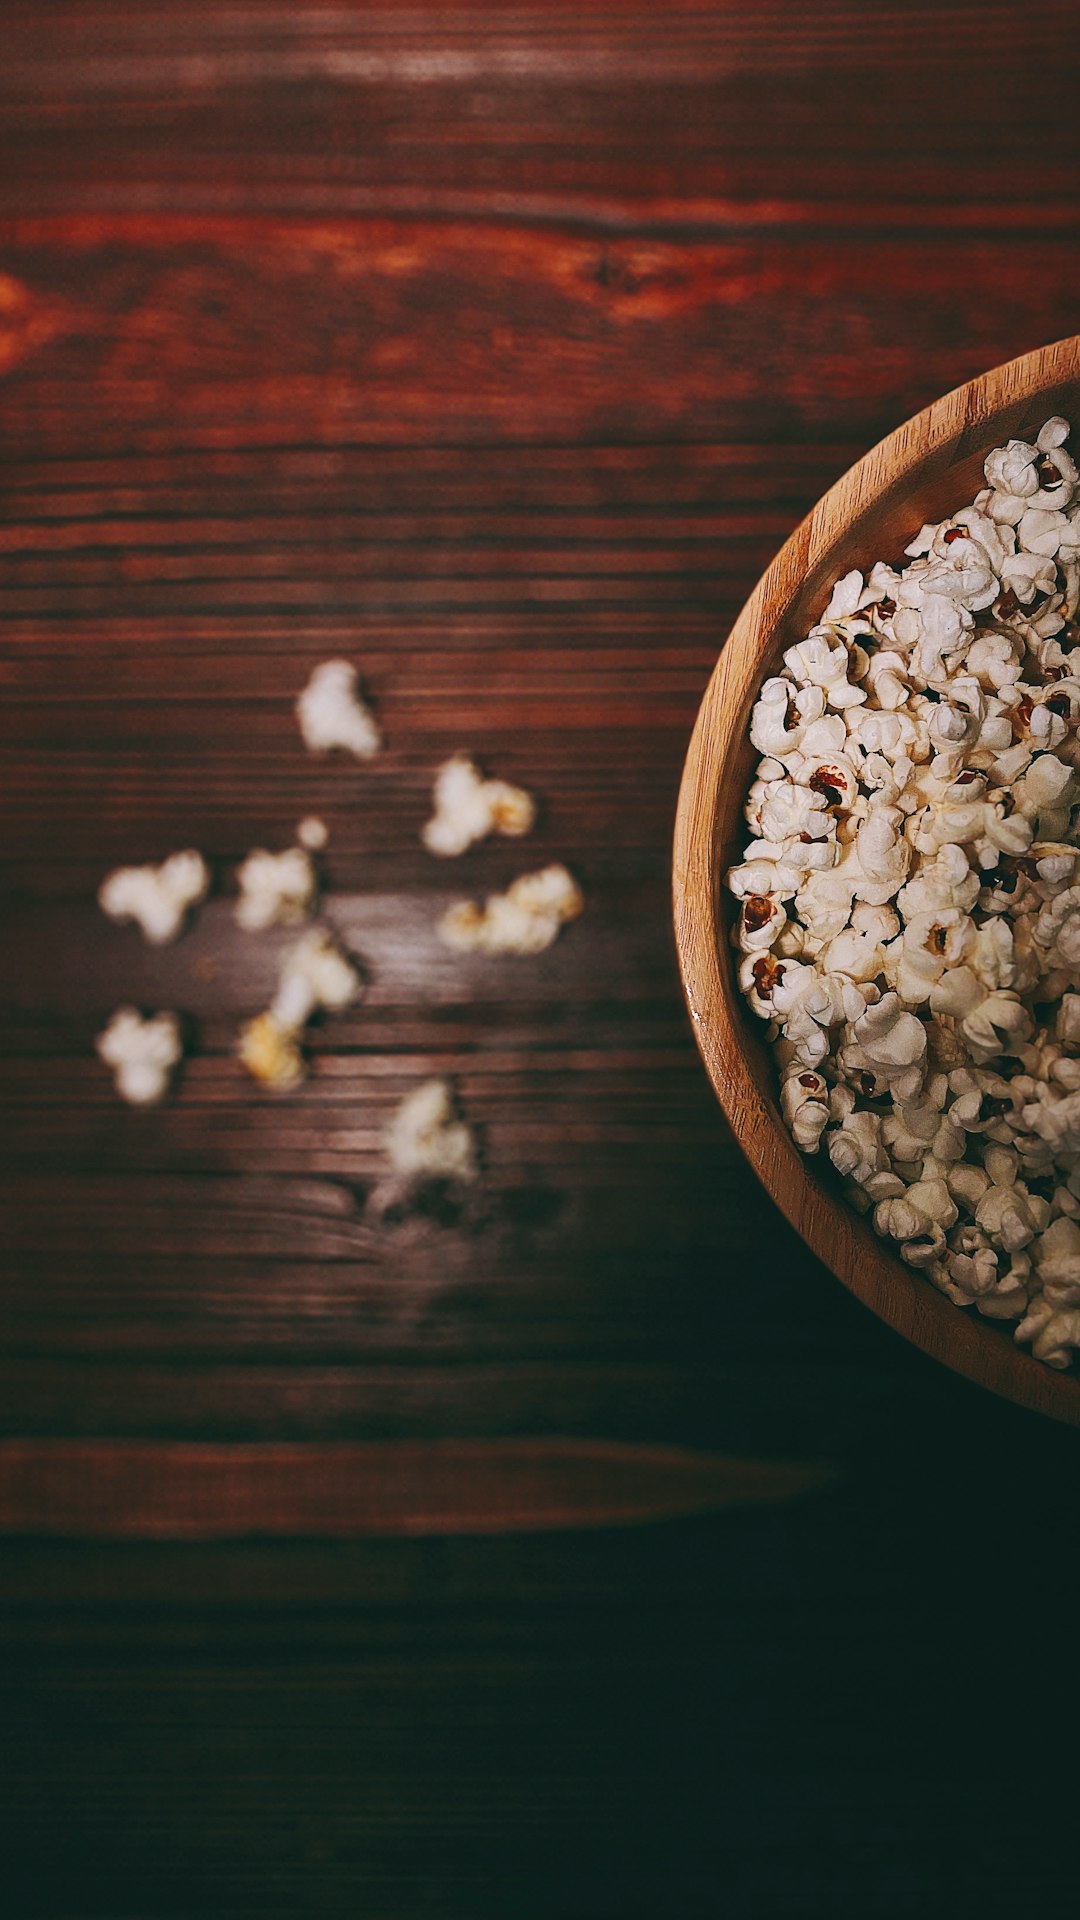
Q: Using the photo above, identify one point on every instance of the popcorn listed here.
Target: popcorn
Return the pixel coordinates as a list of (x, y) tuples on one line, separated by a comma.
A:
[(1068, 1020), (312, 833), (332, 714), (822, 660), (856, 1149), (859, 950), (1058, 1254), (1058, 928), (887, 1049), (158, 898), (886, 679), (275, 887), (909, 903), (849, 596), (804, 1100), (1010, 1216), (923, 1212), (1049, 783), (884, 854), (1011, 473), (142, 1054), (468, 807), (314, 975), (1026, 574), (525, 919), (761, 923), (916, 1128), (1052, 1331), (426, 1141), (270, 1053)]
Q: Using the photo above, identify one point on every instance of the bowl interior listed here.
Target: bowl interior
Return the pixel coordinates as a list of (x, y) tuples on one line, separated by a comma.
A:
[(924, 471)]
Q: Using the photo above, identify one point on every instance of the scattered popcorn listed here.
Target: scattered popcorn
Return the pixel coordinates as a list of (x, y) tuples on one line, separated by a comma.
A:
[(468, 807), (142, 1054), (275, 887), (525, 919), (315, 975), (270, 1053), (313, 833), (909, 899), (332, 714), (158, 898), (426, 1140)]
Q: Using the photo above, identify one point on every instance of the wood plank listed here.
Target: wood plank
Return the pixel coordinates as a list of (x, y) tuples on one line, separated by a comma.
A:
[(106, 1491), (256, 330)]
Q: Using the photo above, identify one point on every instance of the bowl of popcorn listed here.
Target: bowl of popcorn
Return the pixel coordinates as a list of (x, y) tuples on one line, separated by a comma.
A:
[(877, 880)]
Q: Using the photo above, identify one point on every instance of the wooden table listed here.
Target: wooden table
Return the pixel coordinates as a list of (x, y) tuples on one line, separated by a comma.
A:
[(573, 1549)]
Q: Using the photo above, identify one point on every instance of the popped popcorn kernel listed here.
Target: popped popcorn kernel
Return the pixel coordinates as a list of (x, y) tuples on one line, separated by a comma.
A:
[(142, 1054), (468, 808), (315, 975), (312, 833), (426, 1140), (909, 901), (270, 1053), (525, 919), (332, 713), (157, 898), (275, 887)]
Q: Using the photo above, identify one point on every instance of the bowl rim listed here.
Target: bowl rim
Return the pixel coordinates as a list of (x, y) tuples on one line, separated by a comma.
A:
[(938, 435)]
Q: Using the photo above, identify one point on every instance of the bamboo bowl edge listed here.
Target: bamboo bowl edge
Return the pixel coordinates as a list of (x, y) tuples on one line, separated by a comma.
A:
[(910, 476)]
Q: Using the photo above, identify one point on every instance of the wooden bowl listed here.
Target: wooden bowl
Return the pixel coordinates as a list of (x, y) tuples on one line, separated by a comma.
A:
[(924, 471)]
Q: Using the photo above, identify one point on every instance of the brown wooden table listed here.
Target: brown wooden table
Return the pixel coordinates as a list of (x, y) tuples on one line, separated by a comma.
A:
[(574, 1549)]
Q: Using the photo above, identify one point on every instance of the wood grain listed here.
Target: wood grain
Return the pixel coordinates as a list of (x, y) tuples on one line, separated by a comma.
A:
[(450, 1486), (498, 349)]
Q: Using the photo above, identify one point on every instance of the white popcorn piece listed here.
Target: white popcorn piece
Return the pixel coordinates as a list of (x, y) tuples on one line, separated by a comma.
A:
[(523, 920), (916, 1129), (142, 1054), (1049, 783), (856, 1150), (1057, 1260), (312, 833), (804, 1099), (759, 976), (887, 1048), (775, 726), (1054, 1333), (995, 660), (158, 898), (923, 1212), (823, 660), (468, 808), (991, 1022), (333, 715), (761, 922), (1028, 574), (1010, 1216), (426, 1140), (1068, 1020), (849, 596), (315, 975), (1058, 927), (275, 887), (860, 949)]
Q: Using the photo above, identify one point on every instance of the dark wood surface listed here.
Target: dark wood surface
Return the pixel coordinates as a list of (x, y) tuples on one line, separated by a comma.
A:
[(576, 1550)]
